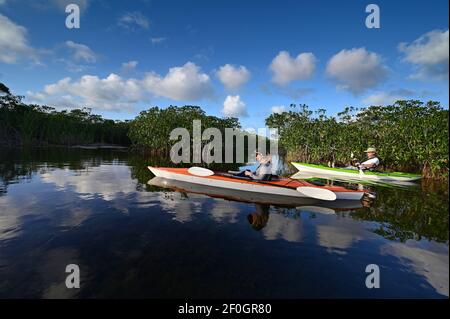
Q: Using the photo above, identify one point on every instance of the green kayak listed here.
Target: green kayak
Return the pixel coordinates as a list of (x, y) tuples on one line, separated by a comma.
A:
[(322, 170)]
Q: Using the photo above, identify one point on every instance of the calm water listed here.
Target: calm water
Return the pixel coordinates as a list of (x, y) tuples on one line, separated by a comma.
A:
[(102, 211)]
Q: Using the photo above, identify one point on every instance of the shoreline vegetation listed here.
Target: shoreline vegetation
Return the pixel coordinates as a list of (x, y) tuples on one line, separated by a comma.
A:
[(411, 136), (35, 125)]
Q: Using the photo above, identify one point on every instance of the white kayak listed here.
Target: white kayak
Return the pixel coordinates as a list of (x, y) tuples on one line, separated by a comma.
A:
[(279, 187), (303, 204), (321, 170)]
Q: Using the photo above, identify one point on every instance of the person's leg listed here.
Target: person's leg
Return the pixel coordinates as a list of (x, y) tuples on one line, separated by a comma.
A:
[(242, 174)]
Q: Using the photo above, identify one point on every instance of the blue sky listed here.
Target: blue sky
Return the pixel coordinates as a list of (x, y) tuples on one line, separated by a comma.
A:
[(240, 58)]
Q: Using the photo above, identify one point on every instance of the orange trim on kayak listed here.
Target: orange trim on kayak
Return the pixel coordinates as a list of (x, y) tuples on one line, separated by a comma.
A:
[(286, 182)]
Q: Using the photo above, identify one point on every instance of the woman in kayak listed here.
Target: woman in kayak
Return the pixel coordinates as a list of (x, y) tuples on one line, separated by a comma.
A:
[(264, 170), (372, 161)]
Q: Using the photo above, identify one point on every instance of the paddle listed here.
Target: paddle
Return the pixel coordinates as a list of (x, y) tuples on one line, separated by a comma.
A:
[(361, 171), (317, 193), (313, 192), (200, 171)]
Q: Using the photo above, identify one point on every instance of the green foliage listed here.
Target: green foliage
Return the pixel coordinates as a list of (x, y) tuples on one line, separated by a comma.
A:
[(40, 125), (4, 89), (409, 214), (151, 129), (409, 135)]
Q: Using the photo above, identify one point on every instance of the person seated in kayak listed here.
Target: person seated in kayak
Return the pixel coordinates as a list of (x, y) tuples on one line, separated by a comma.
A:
[(264, 170), (372, 161)]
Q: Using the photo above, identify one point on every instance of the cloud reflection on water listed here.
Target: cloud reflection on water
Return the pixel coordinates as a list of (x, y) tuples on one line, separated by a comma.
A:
[(68, 199)]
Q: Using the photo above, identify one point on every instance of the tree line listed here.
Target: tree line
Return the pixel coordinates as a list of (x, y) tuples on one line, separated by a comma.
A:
[(409, 135), (151, 128), (31, 124)]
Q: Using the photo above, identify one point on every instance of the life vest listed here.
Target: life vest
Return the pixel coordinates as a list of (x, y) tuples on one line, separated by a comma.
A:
[(375, 168)]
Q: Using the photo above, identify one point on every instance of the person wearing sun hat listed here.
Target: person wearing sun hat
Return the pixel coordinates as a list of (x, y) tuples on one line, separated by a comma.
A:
[(372, 160)]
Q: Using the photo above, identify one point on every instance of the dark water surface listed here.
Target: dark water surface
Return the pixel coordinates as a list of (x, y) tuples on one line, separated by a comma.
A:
[(131, 239)]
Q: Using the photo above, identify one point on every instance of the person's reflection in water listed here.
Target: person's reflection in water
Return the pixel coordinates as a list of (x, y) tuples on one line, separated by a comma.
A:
[(260, 217), (367, 201)]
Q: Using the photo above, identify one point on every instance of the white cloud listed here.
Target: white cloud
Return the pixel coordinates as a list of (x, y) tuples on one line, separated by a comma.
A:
[(182, 83), (183, 211), (387, 98), (338, 236), (278, 109), (233, 77), (356, 70), (286, 69), (225, 211), (429, 54), (129, 66), (77, 56), (431, 263), (130, 20), (185, 83), (234, 107), (13, 43), (81, 52), (282, 227), (110, 93), (158, 40), (109, 183), (2, 2)]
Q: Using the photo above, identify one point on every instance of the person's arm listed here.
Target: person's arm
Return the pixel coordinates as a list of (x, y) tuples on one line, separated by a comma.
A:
[(373, 162), (256, 177), (261, 172)]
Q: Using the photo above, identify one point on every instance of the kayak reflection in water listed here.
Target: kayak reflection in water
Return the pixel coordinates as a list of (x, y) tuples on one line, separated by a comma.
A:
[(260, 217), (264, 170)]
